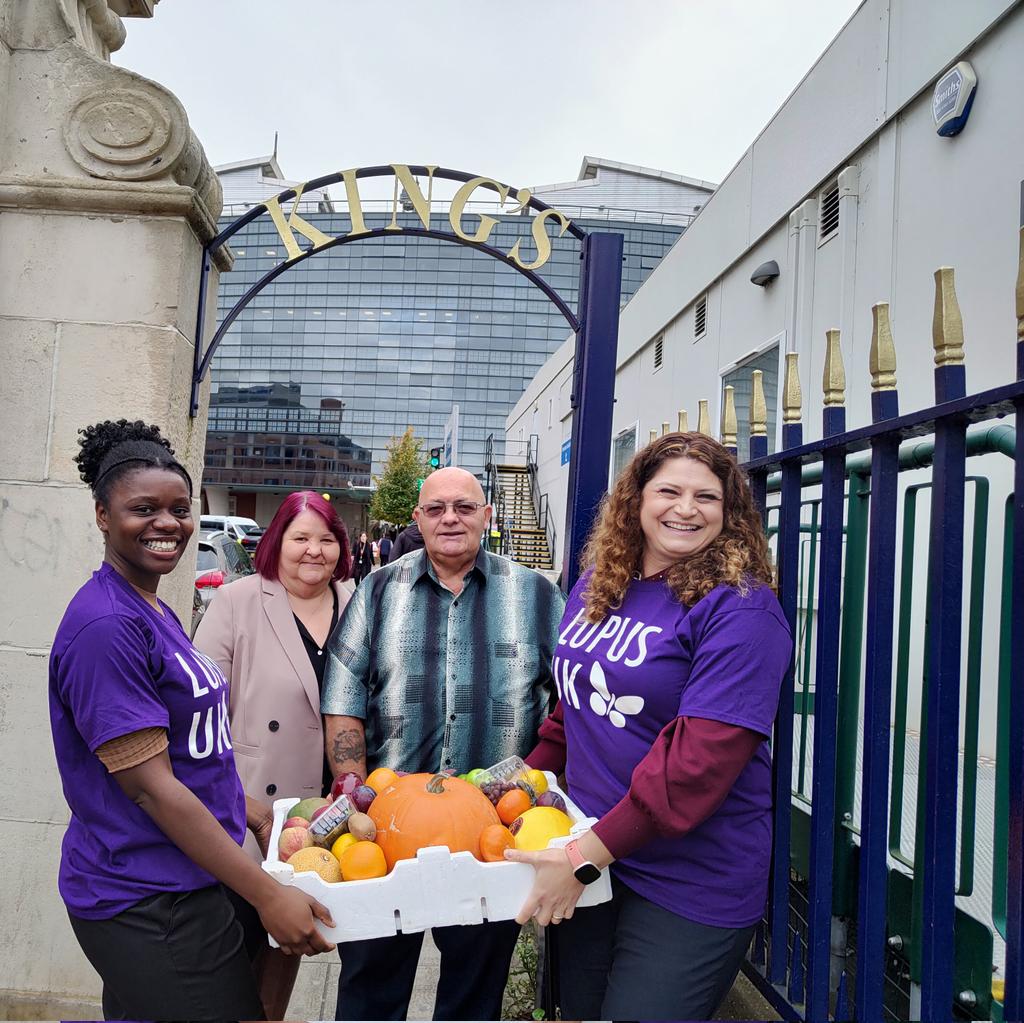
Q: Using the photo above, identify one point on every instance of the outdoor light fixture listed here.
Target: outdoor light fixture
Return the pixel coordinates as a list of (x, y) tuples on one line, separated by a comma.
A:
[(765, 274)]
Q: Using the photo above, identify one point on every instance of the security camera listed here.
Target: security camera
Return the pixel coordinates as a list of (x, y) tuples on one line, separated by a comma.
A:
[(765, 274)]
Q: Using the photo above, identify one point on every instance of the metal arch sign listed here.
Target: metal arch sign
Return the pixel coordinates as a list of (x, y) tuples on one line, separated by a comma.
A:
[(287, 227), (595, 321), (291, 227)]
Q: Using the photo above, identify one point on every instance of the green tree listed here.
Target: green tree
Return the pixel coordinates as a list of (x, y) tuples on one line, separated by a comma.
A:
[(398, 485)]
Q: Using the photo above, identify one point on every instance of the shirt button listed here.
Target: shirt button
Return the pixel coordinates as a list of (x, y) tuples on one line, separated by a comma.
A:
[(455, 603), (451, 717), (271, 789), (274, 726), (448, 763)]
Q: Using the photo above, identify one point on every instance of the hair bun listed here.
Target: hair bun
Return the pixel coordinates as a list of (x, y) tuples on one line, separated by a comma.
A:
[(98, 440)]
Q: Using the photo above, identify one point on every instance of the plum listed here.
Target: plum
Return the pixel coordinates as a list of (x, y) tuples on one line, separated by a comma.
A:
[(362, 797), (551, 799)]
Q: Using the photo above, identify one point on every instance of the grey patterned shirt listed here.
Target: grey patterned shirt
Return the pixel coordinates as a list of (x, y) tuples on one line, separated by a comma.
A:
[(442, 680)]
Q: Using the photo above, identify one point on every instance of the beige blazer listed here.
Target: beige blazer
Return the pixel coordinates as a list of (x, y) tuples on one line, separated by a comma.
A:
[(276, 729)]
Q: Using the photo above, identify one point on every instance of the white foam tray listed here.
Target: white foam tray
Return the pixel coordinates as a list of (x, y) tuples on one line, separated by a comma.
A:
[(437, 889)]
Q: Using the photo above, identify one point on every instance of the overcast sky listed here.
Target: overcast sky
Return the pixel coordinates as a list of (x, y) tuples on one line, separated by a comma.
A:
[(521, 93)]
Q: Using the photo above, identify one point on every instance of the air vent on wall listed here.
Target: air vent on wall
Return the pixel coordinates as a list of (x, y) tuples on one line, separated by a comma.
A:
[(659, 351), (828, 211), (700, 317)]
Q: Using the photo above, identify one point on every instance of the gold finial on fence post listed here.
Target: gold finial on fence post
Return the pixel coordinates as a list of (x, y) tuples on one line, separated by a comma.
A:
[(834, 380), (653, 437), (665, 428), (792, 399), (703, 419), (947, 323), (882, 358), (758, 407), (730, 426), (683, 421)]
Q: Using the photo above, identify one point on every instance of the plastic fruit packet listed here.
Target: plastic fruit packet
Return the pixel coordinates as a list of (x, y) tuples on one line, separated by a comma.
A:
[(511, 769), (330, 825)]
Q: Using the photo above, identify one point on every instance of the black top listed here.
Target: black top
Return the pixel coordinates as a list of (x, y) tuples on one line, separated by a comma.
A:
[(317, 657)]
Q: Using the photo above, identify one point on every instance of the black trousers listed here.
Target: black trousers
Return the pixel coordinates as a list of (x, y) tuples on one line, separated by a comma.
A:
[(177, 956), (377, 976), (629, 959)]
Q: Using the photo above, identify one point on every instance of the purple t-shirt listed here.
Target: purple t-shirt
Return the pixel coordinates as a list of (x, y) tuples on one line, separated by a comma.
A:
[(623, 680), (117, 666)]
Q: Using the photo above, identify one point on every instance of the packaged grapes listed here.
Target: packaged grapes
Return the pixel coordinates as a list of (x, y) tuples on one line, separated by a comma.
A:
[(328, 826)]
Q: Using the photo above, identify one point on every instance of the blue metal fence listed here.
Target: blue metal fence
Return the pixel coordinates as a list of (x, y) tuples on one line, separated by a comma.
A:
[(839, 921)]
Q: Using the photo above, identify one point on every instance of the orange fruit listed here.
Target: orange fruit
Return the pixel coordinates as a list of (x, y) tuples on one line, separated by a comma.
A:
[(363, 860), (380, 779), (512, 804), (494, 840)]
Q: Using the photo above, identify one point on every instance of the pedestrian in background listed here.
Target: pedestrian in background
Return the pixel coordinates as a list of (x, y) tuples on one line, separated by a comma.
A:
[(410, 539), (676, 647), (143, 745), (268, 634), (442, 661), (385, 548), (362, 558)]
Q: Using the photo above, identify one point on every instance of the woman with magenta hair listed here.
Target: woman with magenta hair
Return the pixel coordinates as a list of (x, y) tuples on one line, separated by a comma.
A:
[(268, 633), (669, 663)]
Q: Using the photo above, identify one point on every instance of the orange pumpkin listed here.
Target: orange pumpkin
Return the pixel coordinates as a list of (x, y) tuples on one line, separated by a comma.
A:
[(420, 810)]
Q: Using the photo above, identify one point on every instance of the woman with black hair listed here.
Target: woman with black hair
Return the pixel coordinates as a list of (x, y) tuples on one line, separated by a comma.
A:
[(140, 730)]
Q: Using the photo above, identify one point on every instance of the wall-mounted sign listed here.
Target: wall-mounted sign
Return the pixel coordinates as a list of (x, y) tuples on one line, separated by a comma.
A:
[(566, 450), (953, 98), (412, 194)]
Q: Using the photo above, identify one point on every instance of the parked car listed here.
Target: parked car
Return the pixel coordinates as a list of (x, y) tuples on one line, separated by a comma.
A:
[(220, 560), (234, 525), (198, 610), (252, 538)]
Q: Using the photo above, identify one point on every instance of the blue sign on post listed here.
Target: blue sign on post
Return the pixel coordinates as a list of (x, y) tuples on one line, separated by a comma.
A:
[(566, 450)]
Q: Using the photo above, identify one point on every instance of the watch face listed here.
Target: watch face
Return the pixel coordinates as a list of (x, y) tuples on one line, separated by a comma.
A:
[(587, 873)]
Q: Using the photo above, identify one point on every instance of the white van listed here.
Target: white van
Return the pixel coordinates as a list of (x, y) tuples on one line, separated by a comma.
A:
[(234, 525)]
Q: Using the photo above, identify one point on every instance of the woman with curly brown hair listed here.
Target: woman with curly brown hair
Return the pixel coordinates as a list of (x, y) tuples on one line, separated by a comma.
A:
[(670, 659)]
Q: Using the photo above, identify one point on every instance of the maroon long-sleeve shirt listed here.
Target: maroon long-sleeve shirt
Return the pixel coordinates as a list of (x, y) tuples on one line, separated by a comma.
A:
[(678, 785)]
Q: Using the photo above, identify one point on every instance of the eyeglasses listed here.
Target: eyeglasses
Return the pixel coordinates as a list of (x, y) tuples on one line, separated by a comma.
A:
[(464, 509)]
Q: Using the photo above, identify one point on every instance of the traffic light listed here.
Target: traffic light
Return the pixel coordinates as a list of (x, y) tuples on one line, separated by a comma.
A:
[(435, 458)]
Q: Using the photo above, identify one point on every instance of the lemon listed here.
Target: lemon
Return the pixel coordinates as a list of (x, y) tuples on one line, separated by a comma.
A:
[(342, 843), (534, 828), (536, 780)]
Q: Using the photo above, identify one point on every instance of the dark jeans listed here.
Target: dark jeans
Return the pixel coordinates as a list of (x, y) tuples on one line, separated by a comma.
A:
[(629, 959), (377, 976), (177, 956)]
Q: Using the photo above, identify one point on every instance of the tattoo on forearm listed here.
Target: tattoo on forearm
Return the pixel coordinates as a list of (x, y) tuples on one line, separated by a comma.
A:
[(349, 745)]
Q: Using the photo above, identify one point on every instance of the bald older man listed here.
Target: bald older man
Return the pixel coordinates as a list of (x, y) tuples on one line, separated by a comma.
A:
[(442, 661)]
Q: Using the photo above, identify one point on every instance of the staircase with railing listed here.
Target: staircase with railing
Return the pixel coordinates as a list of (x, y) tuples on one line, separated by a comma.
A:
[(521, 514)]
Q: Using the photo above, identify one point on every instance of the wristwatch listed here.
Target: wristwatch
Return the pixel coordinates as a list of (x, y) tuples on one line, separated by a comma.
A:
[(585, 871)]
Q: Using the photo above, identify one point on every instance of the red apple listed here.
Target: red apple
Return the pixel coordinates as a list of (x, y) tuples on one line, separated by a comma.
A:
[(295, 822), (345, 784)]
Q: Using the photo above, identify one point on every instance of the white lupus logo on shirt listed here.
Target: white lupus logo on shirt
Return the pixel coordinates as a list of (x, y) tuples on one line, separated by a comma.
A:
[(214, 679), (614, 631)]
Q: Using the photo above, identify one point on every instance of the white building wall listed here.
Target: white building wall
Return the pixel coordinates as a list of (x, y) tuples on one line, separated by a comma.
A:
[(912, 202)]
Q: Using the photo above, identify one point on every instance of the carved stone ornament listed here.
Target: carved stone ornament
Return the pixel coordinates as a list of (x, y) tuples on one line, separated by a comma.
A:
[(124, 134), (128, 134)]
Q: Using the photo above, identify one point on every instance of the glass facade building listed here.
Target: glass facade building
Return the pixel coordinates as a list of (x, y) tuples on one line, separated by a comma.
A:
[(346, 349)]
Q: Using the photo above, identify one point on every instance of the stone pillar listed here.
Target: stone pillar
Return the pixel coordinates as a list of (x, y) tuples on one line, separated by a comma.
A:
[(106, 199)]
